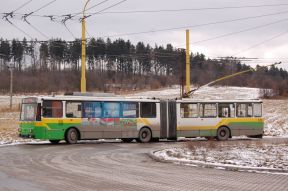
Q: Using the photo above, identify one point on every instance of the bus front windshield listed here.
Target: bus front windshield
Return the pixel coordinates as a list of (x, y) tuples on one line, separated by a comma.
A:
[(28, 112)]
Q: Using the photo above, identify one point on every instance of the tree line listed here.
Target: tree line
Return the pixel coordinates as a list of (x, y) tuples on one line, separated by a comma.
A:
[(118, 64)]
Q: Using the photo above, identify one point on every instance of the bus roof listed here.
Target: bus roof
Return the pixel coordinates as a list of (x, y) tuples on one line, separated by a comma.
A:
[(90, 98), (189, 100)]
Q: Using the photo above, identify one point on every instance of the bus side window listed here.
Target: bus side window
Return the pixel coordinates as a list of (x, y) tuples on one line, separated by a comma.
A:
[(130, 109), (52, 109), (148, 110), (189, 110), (241, 110), (73, 109), (226, 110), (257, 109), (111, 110), (208, 110), (92, 110)]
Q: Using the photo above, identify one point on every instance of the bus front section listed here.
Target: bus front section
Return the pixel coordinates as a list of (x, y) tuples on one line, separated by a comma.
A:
[(30, 114)]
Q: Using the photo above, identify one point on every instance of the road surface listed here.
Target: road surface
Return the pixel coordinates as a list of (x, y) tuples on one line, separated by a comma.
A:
[(116, 166)]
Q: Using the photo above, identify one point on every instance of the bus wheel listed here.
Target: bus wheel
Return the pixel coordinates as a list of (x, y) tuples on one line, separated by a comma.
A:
[(127, 140), (54, 141), (71, 136), (145, 135), (223, 133)]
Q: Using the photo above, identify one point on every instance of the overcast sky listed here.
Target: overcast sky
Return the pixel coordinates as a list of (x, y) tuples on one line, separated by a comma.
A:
[(111, 24)]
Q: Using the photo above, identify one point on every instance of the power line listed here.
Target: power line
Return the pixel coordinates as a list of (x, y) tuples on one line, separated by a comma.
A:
[(262, 42), (111, 6), (23, 5), (194, 9), (241, 31), (196, 25)]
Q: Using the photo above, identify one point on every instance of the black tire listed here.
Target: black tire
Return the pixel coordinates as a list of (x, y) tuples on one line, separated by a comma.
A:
[(223, 133), (54, 142), (145, 135), (71, 136), (127, 140)]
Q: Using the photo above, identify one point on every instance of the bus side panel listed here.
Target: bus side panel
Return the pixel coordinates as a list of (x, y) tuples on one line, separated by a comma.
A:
[(163, 119), (172, 117), (246, 126), (129, 127)]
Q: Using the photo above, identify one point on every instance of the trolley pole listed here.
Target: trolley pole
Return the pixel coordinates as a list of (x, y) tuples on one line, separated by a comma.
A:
[(187, 62), (83, 52)]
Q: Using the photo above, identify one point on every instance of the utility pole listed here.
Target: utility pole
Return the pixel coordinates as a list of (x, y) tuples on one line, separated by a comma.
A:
[(187, 62), (83, 54), (11, 84)]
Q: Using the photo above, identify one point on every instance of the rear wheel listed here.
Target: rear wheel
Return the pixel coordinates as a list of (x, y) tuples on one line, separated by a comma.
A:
[(223, 133), (145, 135), (54, 141), (71, 136), (127, 140)]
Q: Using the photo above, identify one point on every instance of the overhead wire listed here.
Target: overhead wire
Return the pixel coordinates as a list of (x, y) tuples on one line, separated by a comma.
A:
[(193, 9), (196, 25)]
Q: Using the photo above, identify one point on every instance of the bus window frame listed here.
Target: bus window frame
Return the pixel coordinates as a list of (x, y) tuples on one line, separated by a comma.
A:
[(71, 101), (198, 110), (63, 109), (140, 110), (137, 112), (261, 109), (234, 104), (102, 112), (202, 116)]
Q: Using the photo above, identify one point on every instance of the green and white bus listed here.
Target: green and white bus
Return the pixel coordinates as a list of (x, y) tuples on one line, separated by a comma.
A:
[(73, 118)]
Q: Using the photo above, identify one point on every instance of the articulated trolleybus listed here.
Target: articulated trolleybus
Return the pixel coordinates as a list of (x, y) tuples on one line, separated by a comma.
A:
[(73, 118)]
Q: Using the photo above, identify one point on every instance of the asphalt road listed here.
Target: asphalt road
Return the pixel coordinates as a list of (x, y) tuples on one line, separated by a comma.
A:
[(116, 166)]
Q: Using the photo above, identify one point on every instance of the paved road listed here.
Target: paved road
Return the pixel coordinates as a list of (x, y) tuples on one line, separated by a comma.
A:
[(115, 166)]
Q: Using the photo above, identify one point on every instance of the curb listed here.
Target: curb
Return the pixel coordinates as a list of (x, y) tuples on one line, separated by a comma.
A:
[(152, 155)]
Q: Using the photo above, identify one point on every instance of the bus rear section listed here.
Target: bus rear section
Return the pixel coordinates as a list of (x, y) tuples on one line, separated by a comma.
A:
[(30, 114)]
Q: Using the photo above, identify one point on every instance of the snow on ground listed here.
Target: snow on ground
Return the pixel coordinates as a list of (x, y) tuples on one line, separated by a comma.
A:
[(256, 155)]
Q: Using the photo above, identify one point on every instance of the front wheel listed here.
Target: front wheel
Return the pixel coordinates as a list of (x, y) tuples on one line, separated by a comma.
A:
[(223, 133), (71, 136), (145, 135)]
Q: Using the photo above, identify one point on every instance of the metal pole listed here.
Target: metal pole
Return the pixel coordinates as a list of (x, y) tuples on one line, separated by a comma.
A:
[(187, 62), (83, 54), (11, 86)]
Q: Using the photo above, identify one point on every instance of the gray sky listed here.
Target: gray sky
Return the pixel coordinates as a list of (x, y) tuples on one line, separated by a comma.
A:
[(110, 24)]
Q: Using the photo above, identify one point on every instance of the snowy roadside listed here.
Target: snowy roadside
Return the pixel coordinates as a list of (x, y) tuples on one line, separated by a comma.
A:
[(253, 157)]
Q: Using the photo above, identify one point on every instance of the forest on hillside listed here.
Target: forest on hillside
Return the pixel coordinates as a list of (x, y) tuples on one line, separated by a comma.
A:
[(118, 65)]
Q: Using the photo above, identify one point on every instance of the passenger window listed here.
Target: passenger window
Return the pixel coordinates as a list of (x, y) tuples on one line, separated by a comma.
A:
[(148, 110), (189, 110), (257, 108), (73, 109), (111, 110), (241, 110), (52, 109), (208, 110), (226, 110), (92, 109), (244, 110), (130, 110)]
